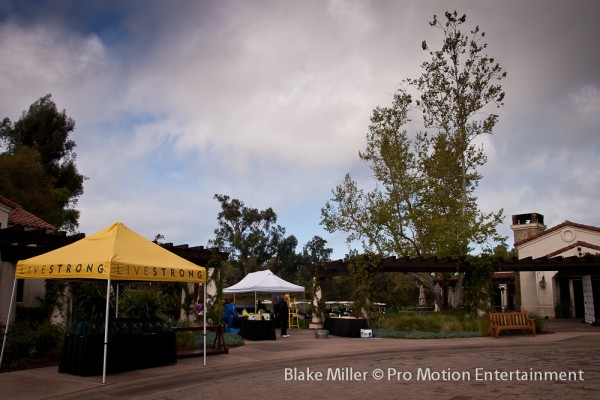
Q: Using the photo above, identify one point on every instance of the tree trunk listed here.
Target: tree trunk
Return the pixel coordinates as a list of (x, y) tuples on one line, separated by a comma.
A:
[(431, 287)]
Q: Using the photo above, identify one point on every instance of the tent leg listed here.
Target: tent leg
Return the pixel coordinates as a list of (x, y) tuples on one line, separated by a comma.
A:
[(106, 331), (117, 301), (204, 316), (12, 299)]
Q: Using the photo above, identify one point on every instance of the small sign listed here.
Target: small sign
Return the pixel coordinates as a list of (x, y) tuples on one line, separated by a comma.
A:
[(366, 333)]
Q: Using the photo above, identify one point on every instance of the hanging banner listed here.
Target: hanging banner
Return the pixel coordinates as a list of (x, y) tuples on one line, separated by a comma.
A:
[(588, 299)]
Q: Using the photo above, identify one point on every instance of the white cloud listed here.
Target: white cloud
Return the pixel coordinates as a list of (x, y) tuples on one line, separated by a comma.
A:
[(587, 101), (270, 103)]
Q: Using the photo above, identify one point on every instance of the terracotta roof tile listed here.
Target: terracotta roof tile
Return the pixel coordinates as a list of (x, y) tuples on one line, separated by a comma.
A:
[(20, 217)]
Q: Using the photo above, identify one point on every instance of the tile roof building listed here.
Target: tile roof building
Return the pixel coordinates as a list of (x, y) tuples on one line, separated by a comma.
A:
[(12, 215), (545, 292)]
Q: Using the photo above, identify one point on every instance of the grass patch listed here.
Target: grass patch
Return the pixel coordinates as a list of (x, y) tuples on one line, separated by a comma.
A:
[(195, 340), (385, 333), (449, 324)]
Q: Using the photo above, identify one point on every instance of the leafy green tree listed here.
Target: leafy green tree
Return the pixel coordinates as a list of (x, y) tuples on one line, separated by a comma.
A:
[(251, 237), (46, 130), (23, 179), (287, 263), (424, 203)]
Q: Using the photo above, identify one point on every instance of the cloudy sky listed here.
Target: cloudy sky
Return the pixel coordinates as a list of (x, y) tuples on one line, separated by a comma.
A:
[(268, 101)]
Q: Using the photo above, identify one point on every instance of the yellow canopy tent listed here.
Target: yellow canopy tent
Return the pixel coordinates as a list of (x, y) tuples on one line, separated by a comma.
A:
[(114, 253)]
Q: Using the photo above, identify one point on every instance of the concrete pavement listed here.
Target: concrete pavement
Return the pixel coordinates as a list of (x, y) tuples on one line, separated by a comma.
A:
[(292, 366)]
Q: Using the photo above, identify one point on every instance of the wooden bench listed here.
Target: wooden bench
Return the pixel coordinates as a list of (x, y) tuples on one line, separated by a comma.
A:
[(511, 321)]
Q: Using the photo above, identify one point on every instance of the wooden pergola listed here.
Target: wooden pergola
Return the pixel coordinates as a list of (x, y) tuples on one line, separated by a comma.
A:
[(587, 265), (18, 243)]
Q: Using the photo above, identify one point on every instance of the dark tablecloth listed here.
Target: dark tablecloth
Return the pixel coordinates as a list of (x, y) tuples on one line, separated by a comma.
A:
[(258, 330), (349, 327), (84, 354)]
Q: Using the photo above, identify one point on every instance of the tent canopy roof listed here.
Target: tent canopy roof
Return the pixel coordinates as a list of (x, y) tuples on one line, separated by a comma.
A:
[(115, 253), (263, 281)]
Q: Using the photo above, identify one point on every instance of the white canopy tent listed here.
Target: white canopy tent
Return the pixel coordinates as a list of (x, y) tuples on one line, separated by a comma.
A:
[(263, 282)]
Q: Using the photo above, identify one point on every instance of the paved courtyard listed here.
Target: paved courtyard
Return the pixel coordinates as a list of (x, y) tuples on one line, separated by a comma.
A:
[(564, 365)]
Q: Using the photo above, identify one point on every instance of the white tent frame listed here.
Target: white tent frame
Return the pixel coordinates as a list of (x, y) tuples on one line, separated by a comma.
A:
[(293, 288)]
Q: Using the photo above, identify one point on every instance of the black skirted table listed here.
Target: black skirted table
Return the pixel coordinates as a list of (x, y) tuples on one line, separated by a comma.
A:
[(257, 329), (349, 327), (83, 351)]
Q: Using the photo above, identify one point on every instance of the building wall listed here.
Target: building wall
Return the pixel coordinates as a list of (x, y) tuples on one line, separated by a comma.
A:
[(535, 298), (4, 211), (7, 279), (556, 240)]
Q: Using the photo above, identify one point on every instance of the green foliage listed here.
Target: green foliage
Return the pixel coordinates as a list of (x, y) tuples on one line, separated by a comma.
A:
[(24, 180), (47, 338), (424, 203), (34, 335), (43, 133), (215, 302), (20, 339), (186, 340), (171, 293), (361, 269), (484, 325), (143, 303), (251, 237), (423, 335), (478, 283), (89, 300), (563, 309), (232, 340), (195, 340), (315, 255), (431, 322), (540, 323)]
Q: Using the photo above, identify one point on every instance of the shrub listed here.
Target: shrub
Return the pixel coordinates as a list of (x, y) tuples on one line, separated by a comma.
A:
[(25, 338), (451, 321), (47, 338), (20, 339), (423, 335), (143, 303), (562, 310)]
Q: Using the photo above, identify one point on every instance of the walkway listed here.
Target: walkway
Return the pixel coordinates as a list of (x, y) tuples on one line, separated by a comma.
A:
[(513, 367)]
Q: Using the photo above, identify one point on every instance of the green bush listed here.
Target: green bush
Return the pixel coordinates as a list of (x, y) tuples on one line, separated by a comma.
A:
[(143, 303), (563, 309), (195, 340), (25, 338), (484, 325), (232, 340), (539, 322), (20, 340), (432, 322), (423, 335), (47, 338), (186, 340)]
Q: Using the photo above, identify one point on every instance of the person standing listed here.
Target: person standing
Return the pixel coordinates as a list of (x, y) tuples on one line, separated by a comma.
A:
[(284, 314)]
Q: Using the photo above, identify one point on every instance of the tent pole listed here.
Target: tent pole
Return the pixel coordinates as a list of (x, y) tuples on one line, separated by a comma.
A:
[(106, 330), (12, 299), (117, 301), (204, 316)]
